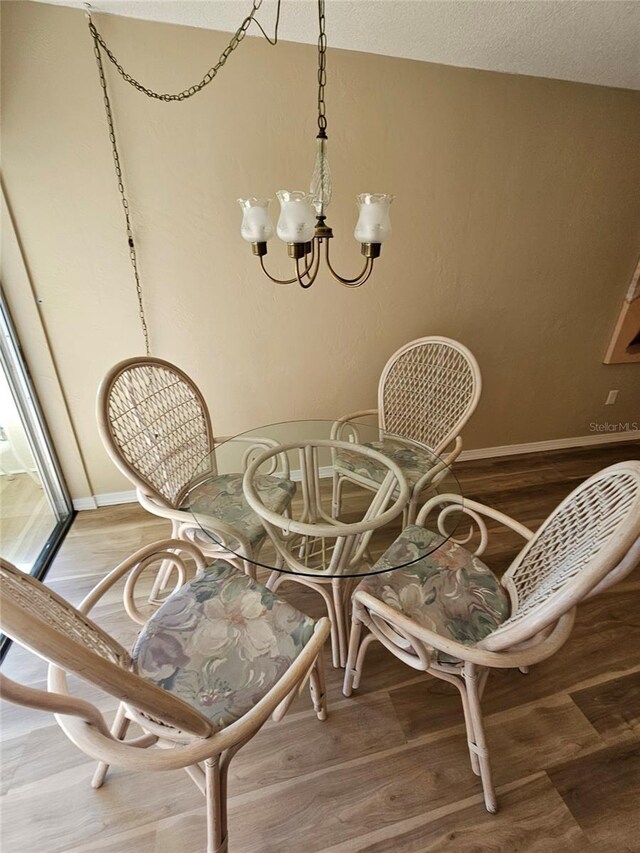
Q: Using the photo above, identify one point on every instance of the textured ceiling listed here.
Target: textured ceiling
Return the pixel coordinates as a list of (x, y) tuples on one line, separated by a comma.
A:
[(591, 41)]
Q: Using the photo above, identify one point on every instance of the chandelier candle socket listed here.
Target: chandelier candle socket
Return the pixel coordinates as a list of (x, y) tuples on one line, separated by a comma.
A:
[(302, 224)]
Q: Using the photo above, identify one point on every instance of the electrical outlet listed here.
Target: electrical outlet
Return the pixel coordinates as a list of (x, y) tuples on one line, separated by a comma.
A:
[(611, 398)]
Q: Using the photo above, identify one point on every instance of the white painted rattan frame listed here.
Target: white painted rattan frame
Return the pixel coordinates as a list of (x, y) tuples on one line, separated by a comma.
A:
[(136, 396), (532, 633), (43, 622), (447, 368), (291, 538)]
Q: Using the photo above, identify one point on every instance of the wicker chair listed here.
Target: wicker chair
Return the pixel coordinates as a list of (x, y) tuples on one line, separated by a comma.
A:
[(427, 392), (156, 428), (196, 723), (449, 615)]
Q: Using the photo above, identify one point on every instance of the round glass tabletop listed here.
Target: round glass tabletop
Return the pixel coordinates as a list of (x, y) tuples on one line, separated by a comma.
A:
[(322, 499)]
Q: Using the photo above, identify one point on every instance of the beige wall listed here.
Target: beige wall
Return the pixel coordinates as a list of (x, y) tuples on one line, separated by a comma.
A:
[(516, 224)]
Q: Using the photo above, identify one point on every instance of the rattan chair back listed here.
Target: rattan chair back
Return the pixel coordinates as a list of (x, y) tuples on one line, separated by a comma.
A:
[(428, 390), (41, 621), (155, 426), (584, 539)]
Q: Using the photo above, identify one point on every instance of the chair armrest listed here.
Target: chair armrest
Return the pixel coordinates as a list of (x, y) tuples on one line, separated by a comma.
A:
[(345, 422), (628, 563), (168, 512), (507, 659), (434, 475), (457, 503), (134, 565), (225, 532), (455, 451), (198, 749), (256, 442), (55, 703)]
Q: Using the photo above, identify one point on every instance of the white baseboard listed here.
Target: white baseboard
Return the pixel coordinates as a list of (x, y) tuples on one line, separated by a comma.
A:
[(324, 471), (552, 444), (105, 499), (80, 504), (113, 498)]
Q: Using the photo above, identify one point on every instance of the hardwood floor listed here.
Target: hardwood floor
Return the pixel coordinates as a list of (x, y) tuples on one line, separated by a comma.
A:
[(388, 772)]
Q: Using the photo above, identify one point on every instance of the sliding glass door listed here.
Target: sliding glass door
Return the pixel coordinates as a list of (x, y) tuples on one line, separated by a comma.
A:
[(35, 509)]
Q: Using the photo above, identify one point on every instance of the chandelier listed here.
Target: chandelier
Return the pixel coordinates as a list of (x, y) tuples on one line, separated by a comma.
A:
[(302, 222)]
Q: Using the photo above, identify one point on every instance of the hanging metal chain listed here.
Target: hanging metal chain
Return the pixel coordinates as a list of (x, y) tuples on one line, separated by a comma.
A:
[(237, 37), (322, 72), (98, 44), (123, 197)]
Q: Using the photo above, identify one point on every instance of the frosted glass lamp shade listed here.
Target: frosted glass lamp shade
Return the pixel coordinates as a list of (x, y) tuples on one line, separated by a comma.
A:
[(297, 217), (256, 226), (374, 223)]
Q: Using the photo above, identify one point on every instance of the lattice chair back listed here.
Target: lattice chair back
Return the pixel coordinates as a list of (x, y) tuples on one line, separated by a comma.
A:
[(428, 390), (581, 542), (155, 426), (37, 618)]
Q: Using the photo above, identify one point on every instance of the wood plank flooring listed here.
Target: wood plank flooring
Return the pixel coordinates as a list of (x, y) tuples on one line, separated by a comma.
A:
[(388, 772)]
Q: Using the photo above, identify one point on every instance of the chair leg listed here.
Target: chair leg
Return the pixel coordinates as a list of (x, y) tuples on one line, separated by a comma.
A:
[(479, 743), (482, 681), (336, 498), (118, 730), (164, 572), (412, 510), (249, 569), (364, 645), (354, 643), (338, 589), (335, 635), (276, 578), (215, 794), (473, 755), (358, 647), (317, 688)]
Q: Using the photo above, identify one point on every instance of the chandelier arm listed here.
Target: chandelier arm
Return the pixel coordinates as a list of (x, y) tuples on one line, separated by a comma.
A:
[(304, 284), (295, 278), (350, 282), (366, 272), (273, 278), (308, 273), (314, 248)]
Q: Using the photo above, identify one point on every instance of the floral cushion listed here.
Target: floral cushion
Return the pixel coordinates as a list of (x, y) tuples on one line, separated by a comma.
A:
[(222, 497), (221, 642), (412, 461), (450, 591)]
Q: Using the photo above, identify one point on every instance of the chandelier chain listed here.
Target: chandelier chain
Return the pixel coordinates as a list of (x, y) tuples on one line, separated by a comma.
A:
[(237, 37), (100, 44), (322, 71), (123, 198)]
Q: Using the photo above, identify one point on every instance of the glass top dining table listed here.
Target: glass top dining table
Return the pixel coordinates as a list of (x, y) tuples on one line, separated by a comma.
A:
[(289, 473)]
